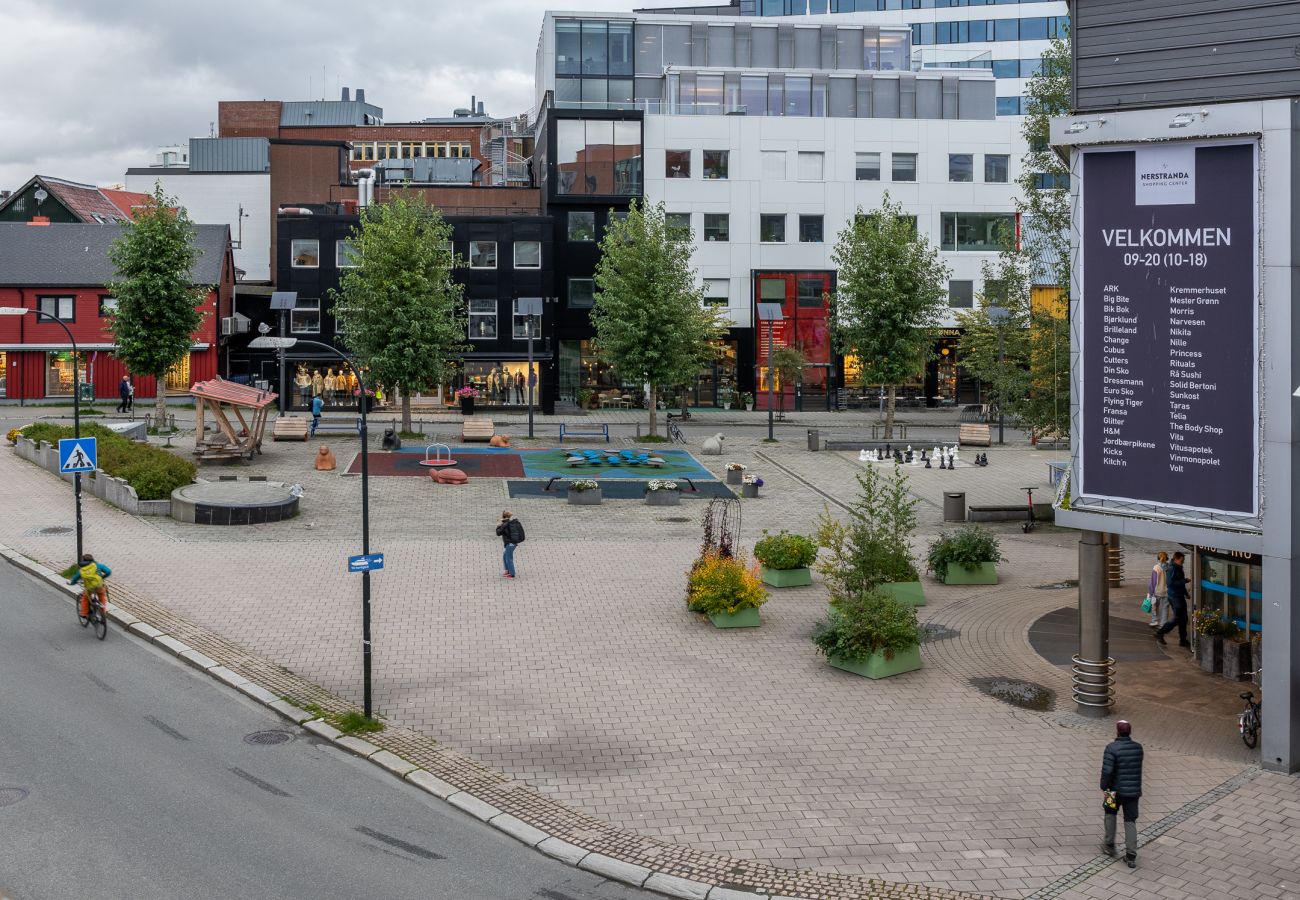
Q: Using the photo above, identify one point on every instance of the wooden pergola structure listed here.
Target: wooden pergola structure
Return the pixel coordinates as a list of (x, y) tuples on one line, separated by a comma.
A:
[(224, 399)]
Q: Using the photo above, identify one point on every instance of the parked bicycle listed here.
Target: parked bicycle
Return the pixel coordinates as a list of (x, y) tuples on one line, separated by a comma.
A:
[(675, 433), (1251, 718)]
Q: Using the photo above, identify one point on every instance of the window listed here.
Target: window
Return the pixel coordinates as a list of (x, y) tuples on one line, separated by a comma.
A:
[(903, 166), (868, 168), (811, 166), (1008, 106), (1006, 29), (346, 255), (961, 294), (304, 318), (961, 167), (810, 229), (996, 167), (717, 292), (1006, 68), (582, 293), (809, 292), (771, 228), (582, 226), (717, 227), (58, 373), (482, 254), (678, 226), (305, 253), (528, 254), (1047, 181), (108, 306), (482, 320), (983, 232), (677, 164), (520, 332), (62, 308), (773, 164), (715, 164)]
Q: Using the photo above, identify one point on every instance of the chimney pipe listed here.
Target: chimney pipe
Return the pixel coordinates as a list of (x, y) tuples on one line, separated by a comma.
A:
[(480, 107), (361, 95), (346, 97), (473, 104)]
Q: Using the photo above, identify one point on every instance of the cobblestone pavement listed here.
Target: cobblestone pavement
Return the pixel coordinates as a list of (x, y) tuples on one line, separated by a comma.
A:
[(588, 680)]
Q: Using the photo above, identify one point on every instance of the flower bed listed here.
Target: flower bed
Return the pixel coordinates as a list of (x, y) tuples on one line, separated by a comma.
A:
[(152, 472)]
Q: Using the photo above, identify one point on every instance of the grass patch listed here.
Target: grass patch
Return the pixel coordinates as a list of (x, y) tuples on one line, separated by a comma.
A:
[(350, 722), (653, 439), (770, 441), (411, 435)]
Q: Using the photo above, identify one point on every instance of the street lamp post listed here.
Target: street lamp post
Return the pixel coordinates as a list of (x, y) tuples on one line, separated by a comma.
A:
[(998, 315), (771, 314), (283, 343), (531, 308)]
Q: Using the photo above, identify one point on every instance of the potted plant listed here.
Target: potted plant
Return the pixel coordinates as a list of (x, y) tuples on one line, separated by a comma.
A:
[(662, 493), (726, 590), (735, 472), (584, 492), (967, 557), (13, 436), (1212, 629), (1237, 655), (870, 634), (749, 485), (748, 400), (785, 558), (466, 397)]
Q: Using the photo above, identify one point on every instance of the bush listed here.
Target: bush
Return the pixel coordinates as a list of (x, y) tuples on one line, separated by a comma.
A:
[(874, 546), (12, 436), (1209, 623), (856, 627), (720, 584), (785, 551), (968, 548), (151, 471)]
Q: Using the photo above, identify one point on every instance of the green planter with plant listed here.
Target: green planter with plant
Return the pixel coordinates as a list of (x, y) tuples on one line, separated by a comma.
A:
[(871, 634), (584, 492), (784, 559), (662, 493), (968, 556), (726, 590), (1213, 630)]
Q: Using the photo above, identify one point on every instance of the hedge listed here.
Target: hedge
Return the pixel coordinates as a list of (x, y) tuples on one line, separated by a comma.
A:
[(152, 471)]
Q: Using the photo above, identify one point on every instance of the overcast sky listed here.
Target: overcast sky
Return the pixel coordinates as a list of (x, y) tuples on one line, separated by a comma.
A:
[(93, 87)]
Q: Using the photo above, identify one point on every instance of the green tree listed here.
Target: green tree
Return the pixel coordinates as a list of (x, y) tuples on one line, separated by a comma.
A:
[(157, 312), (398, 310), (892, 290), (650, 320), (788, 364)]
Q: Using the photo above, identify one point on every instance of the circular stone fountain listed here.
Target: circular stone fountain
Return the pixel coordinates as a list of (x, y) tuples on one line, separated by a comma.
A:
[(234, 502)]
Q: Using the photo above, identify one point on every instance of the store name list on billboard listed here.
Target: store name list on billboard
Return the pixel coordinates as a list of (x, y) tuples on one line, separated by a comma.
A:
[(1169, 402)]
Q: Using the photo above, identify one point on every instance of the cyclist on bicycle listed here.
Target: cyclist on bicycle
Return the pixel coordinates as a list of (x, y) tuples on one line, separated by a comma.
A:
[(91, 574)]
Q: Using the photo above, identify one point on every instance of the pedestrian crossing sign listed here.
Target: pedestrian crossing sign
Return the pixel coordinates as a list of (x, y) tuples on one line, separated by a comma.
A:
[(77, 455)]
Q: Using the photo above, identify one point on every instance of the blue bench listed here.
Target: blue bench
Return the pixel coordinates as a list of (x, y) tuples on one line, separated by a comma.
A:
[(337, 424), (591, 429)]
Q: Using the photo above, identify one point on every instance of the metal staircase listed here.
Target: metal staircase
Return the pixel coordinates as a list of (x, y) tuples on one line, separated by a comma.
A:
[(507, 144)]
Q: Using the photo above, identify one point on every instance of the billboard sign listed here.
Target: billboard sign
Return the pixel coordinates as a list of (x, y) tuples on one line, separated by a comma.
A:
[(1169, 327)]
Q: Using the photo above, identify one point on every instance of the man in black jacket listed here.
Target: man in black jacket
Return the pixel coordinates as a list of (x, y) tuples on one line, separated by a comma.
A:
[(511, 532), (1121, 778), (1176, 584)]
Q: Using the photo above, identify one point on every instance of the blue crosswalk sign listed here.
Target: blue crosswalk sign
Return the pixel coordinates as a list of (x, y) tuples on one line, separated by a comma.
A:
[(78, 454)]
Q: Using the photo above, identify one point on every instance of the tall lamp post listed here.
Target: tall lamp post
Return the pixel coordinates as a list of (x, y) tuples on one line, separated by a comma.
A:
[(532, 308), (999, 315), (282, 302), (285, 343), (771, 314), (76, 398)]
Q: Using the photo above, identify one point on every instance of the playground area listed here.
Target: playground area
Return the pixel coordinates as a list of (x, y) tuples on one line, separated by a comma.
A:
[(508, 462)]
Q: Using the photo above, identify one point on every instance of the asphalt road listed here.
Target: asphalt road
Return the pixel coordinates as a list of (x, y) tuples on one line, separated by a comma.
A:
[(124, 773)]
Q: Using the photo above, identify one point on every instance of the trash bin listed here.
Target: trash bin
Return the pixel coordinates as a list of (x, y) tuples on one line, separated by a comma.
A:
[(954, 506), (814, 439)]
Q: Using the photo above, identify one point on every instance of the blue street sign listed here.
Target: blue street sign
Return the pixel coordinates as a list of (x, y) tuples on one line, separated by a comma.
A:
[(371, 563), (78, 455)]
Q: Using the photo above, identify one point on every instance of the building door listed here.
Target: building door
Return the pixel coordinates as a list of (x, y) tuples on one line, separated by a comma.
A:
[(805, 325)]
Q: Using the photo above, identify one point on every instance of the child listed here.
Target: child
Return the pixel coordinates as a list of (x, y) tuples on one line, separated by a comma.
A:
[(91, 575)]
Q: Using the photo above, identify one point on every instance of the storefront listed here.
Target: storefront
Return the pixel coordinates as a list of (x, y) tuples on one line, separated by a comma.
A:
[(4, 373), (58, 373), (716, 386), (586, 380), (947, 383), (499, 382), (1230, 583), (804, 325)]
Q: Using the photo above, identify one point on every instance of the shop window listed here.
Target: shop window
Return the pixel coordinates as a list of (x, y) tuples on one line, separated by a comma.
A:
[(528, 254), (58, 373), (677, 164), (961, 167), (108, 306), (520, 332), (811, 166), (903, 166), (868, 167), (811, 229), (4, 374), (717, 291), (715, 164), (984, 232), (997, 168), (961, 294), (482, 254), (304, 318), (771, 228), (346, 255), (582, 226), (717, 227), (177, 378), (582, 293), (305, 253), (678, 226), (62, 308), (482, 319)]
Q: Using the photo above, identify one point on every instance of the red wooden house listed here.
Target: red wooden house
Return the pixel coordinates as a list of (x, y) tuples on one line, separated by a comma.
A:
[(62, 269)]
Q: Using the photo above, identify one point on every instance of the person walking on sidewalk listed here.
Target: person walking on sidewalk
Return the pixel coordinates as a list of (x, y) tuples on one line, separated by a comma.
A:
[(511, 532), (1158, 590), (1176, 585), (317, 404), (1121, 787), (124, 393)]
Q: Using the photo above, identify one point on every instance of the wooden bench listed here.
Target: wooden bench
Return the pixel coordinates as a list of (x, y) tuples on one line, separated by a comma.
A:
[(974, 434), (290, 428), (337, 423), (878, 428), (477, 429), (591, 429)]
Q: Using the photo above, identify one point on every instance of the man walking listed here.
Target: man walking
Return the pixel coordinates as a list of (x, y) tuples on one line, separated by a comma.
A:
[(1121, 786), (511, 532), (124, 393), (1176, 585)]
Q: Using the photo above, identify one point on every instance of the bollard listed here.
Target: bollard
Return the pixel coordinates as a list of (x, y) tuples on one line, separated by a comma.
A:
[(814, 439)]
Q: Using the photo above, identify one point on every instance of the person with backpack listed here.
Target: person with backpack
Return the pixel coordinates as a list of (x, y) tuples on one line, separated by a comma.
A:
[(91, 575), (511, 532)]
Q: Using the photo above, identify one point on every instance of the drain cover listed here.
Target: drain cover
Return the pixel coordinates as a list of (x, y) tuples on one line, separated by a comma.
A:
[(56, 529), (932, 632), (1024, 694), (10, 796), (1058, 585), (268, 738), (674, 519)]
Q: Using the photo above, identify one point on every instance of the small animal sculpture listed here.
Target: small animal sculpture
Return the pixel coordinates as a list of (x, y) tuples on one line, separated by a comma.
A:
[(713, 445), (325, 461), (448, 476), (499, 440)]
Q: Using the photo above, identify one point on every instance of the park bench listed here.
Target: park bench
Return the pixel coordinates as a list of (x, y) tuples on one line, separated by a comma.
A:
[(974, 434), (587, 429), (290, 428), (338, 423), (477, 429), (878, 429)]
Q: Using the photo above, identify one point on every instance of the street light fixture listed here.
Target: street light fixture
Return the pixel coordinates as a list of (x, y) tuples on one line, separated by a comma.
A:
[(999, 315), (266, 342), (76, 399), (771, 314)]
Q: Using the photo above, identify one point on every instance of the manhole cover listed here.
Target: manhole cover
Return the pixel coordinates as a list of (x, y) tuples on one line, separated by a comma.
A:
[(267, 738), (10, 796), (56, 529), (1024, 694), (1058, 585), (932, 632), (675, 519)]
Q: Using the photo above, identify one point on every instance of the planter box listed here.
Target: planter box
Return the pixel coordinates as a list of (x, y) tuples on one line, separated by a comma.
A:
[(663, 498), (735, 476), (467, 405), (585, 498), (984, 573), (749, 490), (1236, 660), (786, 577), (876, 666), (1210, 651), (909, 592), (746, 618)]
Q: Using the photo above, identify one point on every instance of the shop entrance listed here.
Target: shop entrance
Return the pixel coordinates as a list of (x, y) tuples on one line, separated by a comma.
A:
[(1231, 584)]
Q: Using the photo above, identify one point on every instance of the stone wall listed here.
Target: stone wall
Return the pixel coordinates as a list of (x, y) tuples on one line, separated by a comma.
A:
[(114, 491)]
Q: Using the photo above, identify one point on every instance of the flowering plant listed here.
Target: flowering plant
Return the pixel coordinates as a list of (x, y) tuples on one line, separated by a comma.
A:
[(13, 435), (356, 392), (736, 467), (467, 391), (755, 480), (584, 484), (661, 486), (720, 584)]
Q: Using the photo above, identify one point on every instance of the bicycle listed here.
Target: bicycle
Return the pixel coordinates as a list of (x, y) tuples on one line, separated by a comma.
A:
[(1029, 523), (1251, 718), (675, 433), (96, 619)]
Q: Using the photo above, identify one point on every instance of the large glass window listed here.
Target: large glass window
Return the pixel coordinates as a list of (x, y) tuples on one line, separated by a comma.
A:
[(582, 293), (520, 331), (1006, 29), (715, 164), (708, 95), (771, 228), (62, 308), (811, 229), (753, 94), (304, 318), (678, 226), (961, 167), (582, 226), (627, 158), (961, 294), (304, 253), (528, 254), (568, 47), (717, 227), (996, 168), (982, 232), (620, 48), (58, 373), (894, 50), (595, 49), (1008, 106), (4, 374), (868, 167), (482, 319), (677, 164), (798, 96), (598, 157), (482, 254), (717, 291), (903, 166), (346, 255)]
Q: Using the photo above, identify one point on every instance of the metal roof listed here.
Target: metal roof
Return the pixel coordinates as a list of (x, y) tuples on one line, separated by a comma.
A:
[(76, 255), (302, 113)]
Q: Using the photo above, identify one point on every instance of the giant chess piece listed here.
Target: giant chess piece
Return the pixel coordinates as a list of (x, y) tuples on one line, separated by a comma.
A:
[(927, 462), (880, 454)]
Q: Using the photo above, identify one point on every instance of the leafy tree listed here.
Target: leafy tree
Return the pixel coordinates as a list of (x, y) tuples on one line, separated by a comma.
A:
[(157, 312), (892, 291), (398, 310), (651, 323), (788, 364)]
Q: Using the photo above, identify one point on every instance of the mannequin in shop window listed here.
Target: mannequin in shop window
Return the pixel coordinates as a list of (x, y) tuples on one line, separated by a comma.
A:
[(331, 388), (519, 388), (494, 384), (317, 385)]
